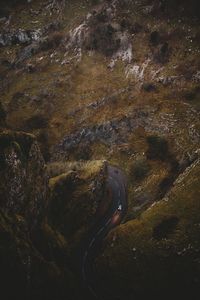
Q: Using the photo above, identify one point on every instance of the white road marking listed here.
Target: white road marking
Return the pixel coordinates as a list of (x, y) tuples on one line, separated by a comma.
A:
[(92, 242), (108, 221), (92, 291), (100, 230), (83, 273), (85, 256)]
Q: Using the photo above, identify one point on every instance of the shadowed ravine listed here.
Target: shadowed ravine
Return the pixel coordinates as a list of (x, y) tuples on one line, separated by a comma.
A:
[(89, 249)]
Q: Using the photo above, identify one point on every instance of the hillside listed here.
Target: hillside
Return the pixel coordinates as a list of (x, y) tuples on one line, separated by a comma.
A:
[(84, 84)]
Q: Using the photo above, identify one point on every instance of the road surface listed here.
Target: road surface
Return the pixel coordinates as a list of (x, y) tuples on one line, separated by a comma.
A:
[(116, 183)]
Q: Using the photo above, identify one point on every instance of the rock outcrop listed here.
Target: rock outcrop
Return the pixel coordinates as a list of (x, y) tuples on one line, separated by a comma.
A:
[(19, 37), (23, 187), (30, 249)]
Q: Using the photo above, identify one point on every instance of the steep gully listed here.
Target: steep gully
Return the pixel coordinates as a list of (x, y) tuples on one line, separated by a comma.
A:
[(116, 184)]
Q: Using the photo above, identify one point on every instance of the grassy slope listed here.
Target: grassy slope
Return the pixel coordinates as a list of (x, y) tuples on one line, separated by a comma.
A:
[(59, 89), (143, 257)]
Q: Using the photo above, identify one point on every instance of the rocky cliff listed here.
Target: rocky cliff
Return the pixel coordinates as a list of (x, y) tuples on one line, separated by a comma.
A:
[(24, 186), (44, 215)]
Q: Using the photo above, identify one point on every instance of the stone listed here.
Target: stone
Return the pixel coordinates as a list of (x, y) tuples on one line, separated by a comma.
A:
[(8, 38)]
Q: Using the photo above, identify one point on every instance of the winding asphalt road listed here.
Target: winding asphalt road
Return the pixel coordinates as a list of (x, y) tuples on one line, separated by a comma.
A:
[(116, 184)]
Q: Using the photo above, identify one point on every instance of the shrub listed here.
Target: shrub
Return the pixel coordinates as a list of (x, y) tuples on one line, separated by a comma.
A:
[(193, 94), (155, 38), (2, 115), (102, 38), (52, 41), (43, 139), (148, 87), (83, 152), (18, 99), (139, 170), (165, 185), (36, 122), (165, 228), (157, 148), (163, 53)]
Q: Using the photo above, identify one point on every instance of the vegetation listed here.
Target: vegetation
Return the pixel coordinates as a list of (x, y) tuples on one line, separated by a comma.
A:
[(140, 170), (76, 191), (2, 115), (158, 148), (163, 241), (119, 84)]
